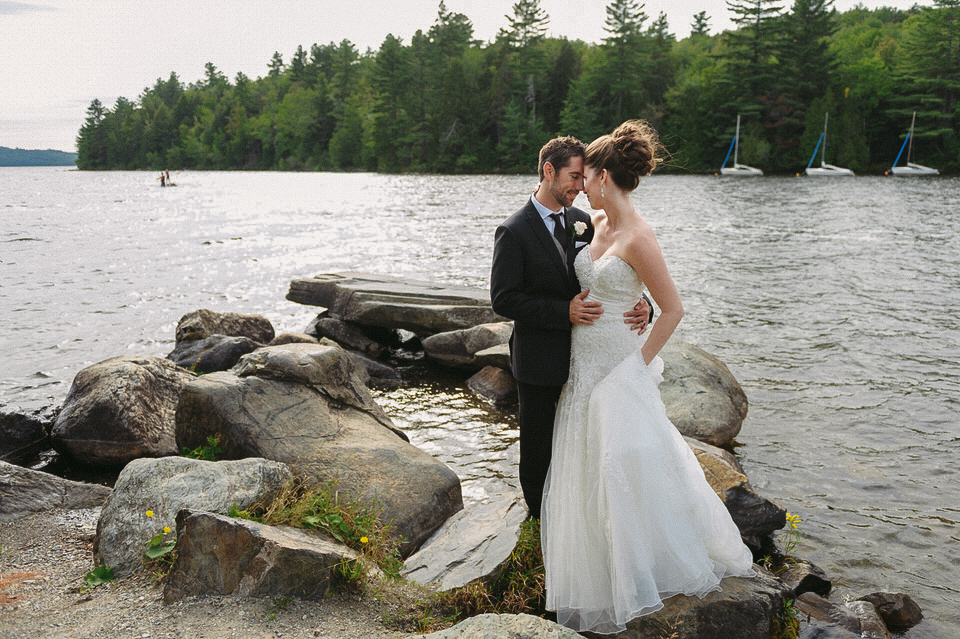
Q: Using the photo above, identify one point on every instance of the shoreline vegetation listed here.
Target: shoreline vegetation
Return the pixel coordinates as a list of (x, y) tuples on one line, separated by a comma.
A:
[(445, 102)]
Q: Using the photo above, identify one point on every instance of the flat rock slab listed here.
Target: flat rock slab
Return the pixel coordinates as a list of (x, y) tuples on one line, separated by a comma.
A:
[(24, 491), (424, 308), (470, 545)]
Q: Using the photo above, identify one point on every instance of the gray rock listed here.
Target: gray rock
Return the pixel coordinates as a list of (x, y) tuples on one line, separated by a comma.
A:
[(121, 409), (306, 405), (211, 354), (743, 608), (498, 356), (471, 545), (754, 515), (898, 611), (871, 625), (378, 374), (164, 487), (703, 399), (491, 626), (459, 348), (802, 576), (828, 613), (424, 308), (218, 555), (293, 338), (24, 491), (346, 334), (496, 384), (24, 434), (204, 323)]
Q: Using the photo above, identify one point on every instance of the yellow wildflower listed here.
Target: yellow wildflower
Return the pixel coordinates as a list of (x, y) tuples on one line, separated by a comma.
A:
[(149, 513), (166, 529), (364, 540)]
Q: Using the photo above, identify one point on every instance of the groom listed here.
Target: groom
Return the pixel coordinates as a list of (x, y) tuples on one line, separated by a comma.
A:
[(533, 283)]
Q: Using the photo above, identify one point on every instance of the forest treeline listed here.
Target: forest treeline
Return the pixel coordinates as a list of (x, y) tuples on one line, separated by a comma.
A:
[(446, 102)]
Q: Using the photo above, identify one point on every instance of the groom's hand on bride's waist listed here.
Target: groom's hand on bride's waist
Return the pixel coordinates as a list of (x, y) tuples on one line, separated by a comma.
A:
[(584, 312), (640, 316)]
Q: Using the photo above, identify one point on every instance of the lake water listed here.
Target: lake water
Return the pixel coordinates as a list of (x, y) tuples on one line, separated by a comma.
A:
[(835, 303)]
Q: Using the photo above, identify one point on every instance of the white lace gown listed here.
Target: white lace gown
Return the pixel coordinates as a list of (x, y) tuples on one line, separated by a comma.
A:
[(628, 518)]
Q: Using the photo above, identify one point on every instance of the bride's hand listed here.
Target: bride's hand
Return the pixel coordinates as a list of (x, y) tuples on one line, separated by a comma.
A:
[(583, 312)]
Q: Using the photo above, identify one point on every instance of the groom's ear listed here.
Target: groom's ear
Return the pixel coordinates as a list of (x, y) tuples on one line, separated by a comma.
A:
[(549, 171)]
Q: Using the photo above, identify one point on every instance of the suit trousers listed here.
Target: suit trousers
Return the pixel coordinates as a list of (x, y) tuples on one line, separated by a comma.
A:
[(538, 407)]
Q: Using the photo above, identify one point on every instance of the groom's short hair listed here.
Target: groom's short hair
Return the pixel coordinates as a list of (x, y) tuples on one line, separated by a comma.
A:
[(558, 152)]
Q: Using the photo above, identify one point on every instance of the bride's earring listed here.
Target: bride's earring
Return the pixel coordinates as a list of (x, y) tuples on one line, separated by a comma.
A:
[(602, 195)]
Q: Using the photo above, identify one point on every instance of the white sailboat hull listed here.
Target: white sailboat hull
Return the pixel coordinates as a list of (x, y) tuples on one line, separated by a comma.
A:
[(740, 170), (911, 170), (828, 169)]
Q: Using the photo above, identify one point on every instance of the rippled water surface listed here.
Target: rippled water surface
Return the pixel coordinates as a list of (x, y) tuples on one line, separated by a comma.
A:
[(835, 302)]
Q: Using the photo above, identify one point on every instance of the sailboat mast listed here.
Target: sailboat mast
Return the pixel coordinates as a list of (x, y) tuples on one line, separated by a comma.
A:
[(823, 151), (910, 137), (736, 143)]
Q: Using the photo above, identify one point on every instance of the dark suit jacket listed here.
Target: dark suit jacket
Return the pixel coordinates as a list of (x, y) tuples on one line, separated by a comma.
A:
[(530, 284)]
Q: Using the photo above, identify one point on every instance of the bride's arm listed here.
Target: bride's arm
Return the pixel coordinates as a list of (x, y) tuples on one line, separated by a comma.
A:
[(644, 255)]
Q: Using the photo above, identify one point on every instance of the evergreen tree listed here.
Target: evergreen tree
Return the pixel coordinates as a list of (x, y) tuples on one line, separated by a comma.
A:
[(700, 26)]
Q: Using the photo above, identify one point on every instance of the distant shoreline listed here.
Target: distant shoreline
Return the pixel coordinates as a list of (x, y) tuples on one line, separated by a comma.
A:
[(27, 157)]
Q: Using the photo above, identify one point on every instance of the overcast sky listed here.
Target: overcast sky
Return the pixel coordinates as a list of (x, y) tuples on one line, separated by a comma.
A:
[(56, 56)]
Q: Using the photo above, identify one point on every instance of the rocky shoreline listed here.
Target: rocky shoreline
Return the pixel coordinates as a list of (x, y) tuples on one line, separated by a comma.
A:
[(299, 404)]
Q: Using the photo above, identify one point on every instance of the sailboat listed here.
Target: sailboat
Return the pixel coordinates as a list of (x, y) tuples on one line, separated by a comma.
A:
[(910, 169), (737, 168), (824, 168)]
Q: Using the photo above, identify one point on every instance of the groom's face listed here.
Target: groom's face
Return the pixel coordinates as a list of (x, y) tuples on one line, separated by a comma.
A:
[(566, 183)]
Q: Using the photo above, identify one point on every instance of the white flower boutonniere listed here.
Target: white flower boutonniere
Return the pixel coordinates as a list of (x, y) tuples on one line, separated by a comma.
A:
[(579, 228)]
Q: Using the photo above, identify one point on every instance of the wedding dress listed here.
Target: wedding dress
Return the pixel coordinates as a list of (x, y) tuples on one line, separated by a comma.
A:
[(628, 517)]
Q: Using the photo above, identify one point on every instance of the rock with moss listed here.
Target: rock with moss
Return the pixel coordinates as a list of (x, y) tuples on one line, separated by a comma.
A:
[(307, 405), (149, 493), (121, 409), (219, 555)]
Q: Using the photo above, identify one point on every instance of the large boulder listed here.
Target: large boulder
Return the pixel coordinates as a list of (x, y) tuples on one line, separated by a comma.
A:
[(212, 353), (306, 405), (744, 608), (164, 487), (496, 384), (24, 491), (218, 555), (898, 611), (24, 434), (702, 397), (121, 409), (459, 348), (424, 308), (492, 626), (754, 515), (204, 323), (471, 545)]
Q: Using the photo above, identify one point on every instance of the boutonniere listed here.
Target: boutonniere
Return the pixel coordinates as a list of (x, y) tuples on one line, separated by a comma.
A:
[(579, 228)]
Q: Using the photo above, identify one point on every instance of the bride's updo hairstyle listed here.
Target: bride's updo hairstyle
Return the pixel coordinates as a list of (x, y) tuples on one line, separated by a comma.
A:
[(628, 154)]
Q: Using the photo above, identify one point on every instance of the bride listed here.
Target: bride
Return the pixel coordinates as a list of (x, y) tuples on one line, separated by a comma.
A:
[(628, 517)]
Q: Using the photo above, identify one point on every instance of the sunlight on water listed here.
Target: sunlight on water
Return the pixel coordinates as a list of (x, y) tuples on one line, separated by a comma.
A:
[(836, 303)]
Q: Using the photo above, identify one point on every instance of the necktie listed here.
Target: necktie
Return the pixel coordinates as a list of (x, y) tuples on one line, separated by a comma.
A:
[(558, 231)]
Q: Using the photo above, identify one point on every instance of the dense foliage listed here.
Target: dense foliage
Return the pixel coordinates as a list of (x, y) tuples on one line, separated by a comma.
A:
[(445, 102)]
